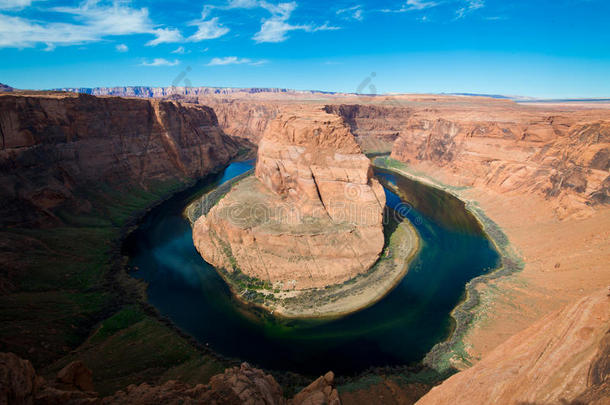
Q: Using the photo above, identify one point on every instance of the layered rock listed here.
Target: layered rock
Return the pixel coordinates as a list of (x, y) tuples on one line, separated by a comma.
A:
[(55, 148), (310, 218), (561, 359), (244, 385)]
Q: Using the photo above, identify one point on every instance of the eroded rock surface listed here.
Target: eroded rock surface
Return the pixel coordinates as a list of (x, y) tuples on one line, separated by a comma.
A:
[(311, 217), (560, 359), (244, 385), (58, 150)]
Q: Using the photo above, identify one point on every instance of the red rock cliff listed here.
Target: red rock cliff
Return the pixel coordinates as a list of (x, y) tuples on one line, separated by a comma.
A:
[(311, 217), (55, 147)]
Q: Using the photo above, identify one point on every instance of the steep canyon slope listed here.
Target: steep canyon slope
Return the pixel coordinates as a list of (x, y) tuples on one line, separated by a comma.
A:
[(563, 358), (55, 145), (75, 172)]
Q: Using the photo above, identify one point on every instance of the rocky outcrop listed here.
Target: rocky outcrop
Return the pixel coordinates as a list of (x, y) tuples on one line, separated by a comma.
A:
[(552, 159), (5, 88), (561, 359), (18, 380), (319, 392), (19, 384), (236, 386), (56, 149), (310, 218), (244, 385)]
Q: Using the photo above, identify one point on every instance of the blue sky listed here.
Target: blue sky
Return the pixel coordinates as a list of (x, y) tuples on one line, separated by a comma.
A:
[(543, 48)]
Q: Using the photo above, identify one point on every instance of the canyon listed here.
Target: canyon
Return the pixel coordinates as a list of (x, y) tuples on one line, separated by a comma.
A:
[(72, 166), (58, 147), (310, 218)]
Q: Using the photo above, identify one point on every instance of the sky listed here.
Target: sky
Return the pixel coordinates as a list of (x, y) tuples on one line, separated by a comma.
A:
[(538, 48)]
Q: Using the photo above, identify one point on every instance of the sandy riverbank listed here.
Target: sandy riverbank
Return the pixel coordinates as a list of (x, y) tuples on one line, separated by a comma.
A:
[(361, 291), (564, 260)]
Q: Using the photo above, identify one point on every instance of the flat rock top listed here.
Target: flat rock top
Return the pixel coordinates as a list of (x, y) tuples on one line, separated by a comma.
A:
[(250, 204), (314, 128)]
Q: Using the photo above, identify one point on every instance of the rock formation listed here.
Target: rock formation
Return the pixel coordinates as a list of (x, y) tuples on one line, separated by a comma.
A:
[(311, 217), (55, 148), (244, 385), (561, 359), (561, 154)]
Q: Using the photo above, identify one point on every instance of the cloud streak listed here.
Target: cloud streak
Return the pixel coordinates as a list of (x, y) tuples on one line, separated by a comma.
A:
[(207, 29), (234, 60), (161, 62), (92, 21), (352, 13), (14, 4), (471, 5)]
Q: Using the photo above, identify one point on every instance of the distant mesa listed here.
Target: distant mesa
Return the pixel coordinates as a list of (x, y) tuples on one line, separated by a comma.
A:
[(160, 92), (5, 88)]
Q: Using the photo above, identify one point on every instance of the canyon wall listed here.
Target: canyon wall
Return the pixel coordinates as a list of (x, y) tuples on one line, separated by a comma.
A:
[(562, 155), (563, 358), (242, 118), (311, 217), (57, 148)]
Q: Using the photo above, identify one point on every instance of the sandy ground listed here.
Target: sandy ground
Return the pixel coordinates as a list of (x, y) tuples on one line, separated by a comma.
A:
[(565, 260)]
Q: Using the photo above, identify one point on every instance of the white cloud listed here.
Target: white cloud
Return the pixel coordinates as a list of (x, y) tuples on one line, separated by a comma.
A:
[(234, 60), (180, 50), (92, 21), (413, 5), (276, 27), (471, 6), (165, 36), (14, 4), (228, 60), (419, 4), (353, 13), (275, 30), (122, 48), (161, 62), (243, 4), (207, 29)]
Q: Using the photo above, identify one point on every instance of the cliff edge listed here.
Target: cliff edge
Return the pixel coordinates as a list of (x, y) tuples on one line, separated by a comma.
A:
[(312, 215)]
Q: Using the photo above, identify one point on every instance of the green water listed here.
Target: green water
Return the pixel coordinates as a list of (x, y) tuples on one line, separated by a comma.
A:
[(398, 330)]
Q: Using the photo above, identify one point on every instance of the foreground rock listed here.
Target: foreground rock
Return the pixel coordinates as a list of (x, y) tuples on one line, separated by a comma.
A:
[(242, 385), (312, 216), (561, 359)]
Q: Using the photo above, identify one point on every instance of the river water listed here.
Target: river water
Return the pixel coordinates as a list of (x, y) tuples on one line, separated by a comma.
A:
[(400, 329)]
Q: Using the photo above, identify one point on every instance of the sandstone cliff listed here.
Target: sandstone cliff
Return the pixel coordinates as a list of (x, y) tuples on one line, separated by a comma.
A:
[(56, 148), (311, 217), (562, 154), (561, 359)]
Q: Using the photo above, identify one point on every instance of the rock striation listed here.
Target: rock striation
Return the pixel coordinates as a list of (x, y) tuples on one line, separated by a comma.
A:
[(57, 148), (561, 359), (312, 215)]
